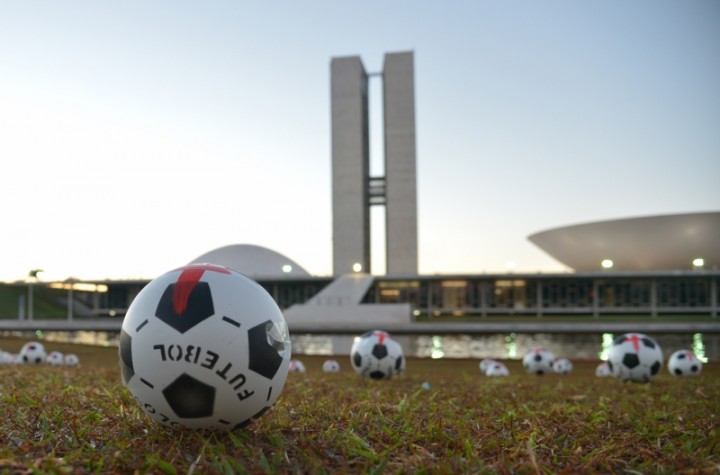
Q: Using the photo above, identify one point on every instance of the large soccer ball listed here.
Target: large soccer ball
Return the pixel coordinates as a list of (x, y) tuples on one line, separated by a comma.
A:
[(32, 352), (331, 366), (684, 363), (562, 366), (203, 346), (497, 368), (376, 355), (538, 361), (635, 357), (55, 358)]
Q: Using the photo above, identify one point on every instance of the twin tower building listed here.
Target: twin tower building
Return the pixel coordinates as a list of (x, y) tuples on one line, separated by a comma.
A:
[(354, 191)]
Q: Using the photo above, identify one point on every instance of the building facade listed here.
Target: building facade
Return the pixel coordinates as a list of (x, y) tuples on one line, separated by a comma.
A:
[(353, 189), (445, 297)]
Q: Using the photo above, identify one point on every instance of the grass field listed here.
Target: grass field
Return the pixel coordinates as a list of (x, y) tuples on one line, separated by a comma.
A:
[(82, 420)]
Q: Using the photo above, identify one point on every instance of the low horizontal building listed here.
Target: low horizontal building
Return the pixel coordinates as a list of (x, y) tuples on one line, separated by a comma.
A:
[(432, 297)]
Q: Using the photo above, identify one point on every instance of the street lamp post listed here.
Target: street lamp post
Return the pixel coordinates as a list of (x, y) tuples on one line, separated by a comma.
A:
[(30, 301), (34, 275), (70, 284)]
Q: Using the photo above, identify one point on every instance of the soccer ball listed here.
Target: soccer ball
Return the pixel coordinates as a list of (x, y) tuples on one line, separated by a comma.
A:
[(497, 368), (485, 364), (684, 363), (32, 353), (71, 359), (296, 366), (562, 366), (205, 347), (6, 358), (603, 370), (331, 366), (538, 361), (54, 358), (376, 355), (635, 357)]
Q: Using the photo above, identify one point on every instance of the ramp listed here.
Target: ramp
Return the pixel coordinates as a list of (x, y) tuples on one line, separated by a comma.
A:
[(338, 306)]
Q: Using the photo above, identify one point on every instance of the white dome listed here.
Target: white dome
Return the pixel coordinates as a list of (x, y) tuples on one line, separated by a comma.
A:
[(664, 242), (253, 261)]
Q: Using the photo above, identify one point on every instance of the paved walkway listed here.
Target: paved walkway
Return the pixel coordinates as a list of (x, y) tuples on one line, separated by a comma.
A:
[(596, 326)]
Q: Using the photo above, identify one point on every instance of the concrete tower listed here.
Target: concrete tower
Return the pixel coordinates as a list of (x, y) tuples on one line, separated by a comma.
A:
[(350, 164), (400, 171), (354, 191)]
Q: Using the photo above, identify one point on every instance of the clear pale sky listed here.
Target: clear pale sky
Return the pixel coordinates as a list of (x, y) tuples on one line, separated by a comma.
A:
[(137, 135)]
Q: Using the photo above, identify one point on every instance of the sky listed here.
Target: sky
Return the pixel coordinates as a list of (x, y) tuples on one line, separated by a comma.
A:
[(136, 136)]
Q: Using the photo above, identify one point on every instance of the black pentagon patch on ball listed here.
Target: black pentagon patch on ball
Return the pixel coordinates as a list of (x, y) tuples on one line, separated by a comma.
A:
[(610, 365), (678, 371), (357, 359), (693, 368), (537, 358), (263, 358), (190, 398), (655, 368), (681, 356), (377, 375), (398, 363), (379, 351), (631, 360), (619, 340), (126, 363), (648, 342), (199, 307)]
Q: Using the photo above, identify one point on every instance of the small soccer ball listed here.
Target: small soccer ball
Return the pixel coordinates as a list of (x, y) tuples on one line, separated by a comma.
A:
[(71, 359), (426, 386), (684, 363), (484, 364), (331, 366), (603, 369), (497, 368), (538, 361), (6, 358), (205, 347), (296, 366), (32, 353), (376, 355), (562, 366), (635, 357), (55, 358)]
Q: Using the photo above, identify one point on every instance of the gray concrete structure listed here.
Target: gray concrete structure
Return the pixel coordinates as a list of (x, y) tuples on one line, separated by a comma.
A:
[(339, 305), (400, 170), (350, 164), (354, 191)]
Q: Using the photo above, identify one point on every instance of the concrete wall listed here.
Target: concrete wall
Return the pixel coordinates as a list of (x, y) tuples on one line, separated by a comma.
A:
[(350, 164), (400, 169)]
